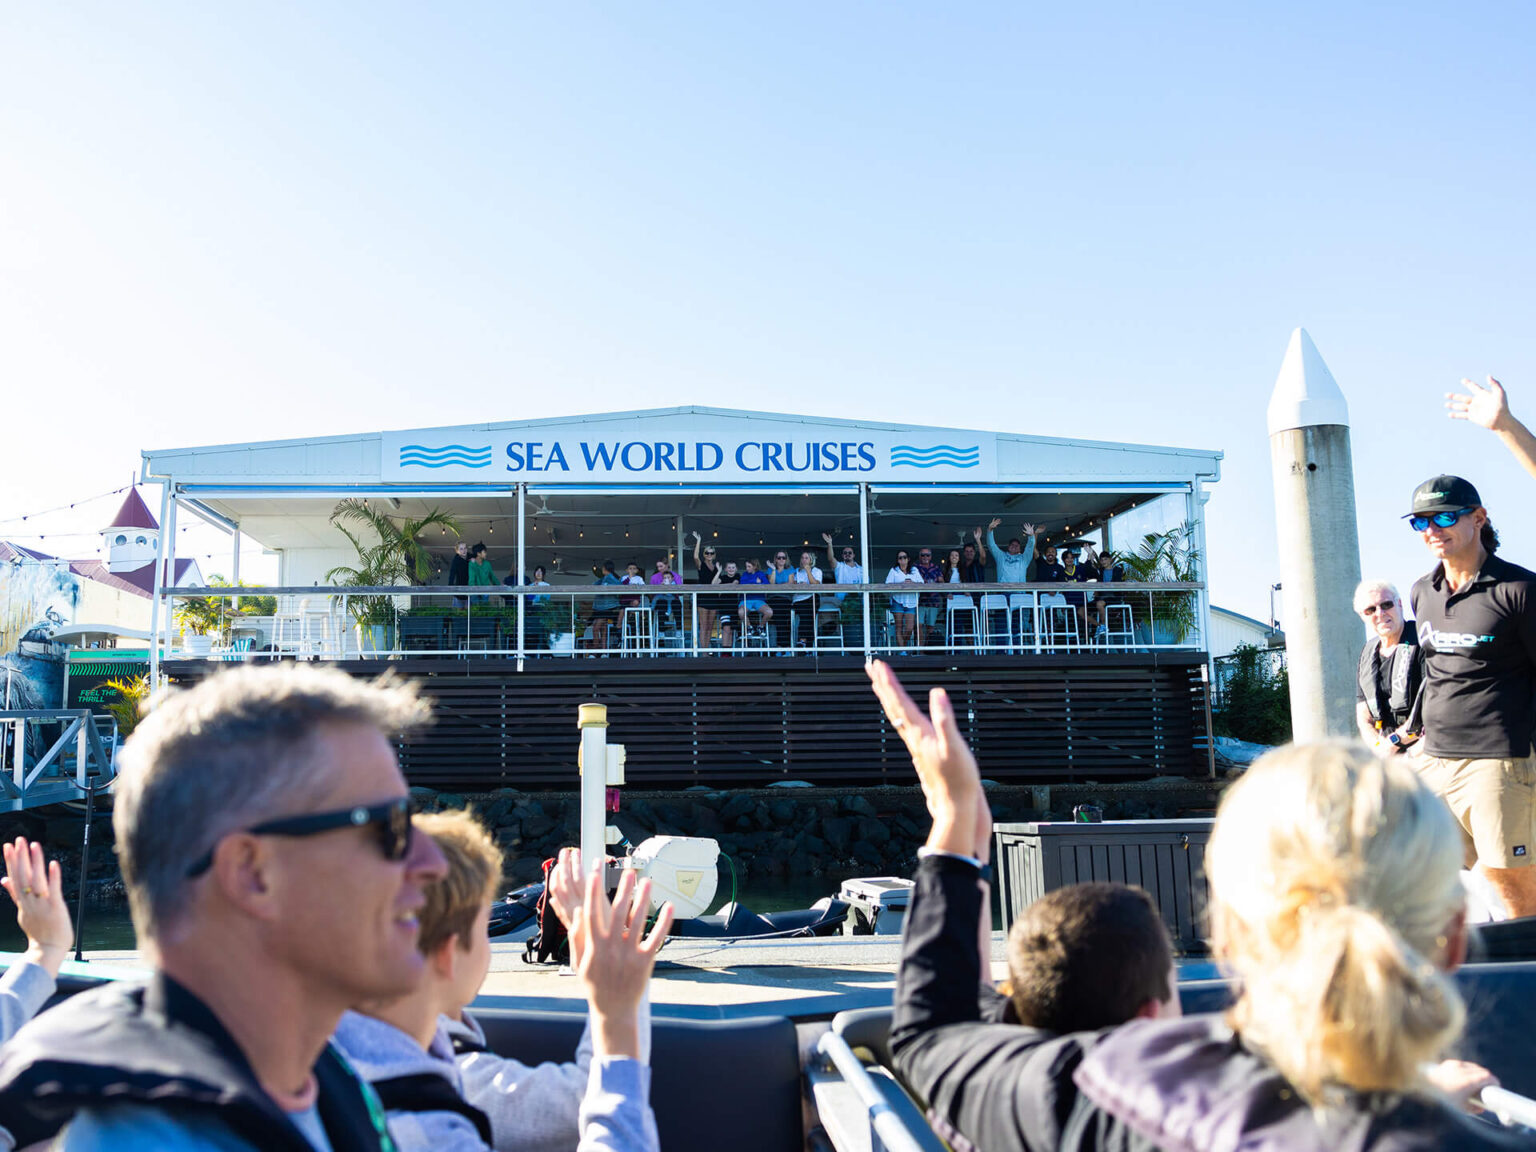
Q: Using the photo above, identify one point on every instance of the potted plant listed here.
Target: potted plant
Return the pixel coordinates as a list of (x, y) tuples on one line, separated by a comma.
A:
[(201, 618), (1165, 557), (396, 557)]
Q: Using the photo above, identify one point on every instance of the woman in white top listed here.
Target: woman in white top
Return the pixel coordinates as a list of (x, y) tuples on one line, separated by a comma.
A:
[(803, 607), (904, 605)]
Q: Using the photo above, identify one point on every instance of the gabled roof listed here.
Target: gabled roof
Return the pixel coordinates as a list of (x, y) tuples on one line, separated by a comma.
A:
[(9, 551), (139, 581), (134, 513)]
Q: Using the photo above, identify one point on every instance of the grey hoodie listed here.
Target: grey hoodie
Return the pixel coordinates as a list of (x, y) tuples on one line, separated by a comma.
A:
[(589, 1105)]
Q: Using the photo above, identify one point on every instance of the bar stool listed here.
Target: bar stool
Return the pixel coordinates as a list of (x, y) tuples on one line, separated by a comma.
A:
[(1119, 626), (1021, 619), (1060, 620), (993, 603), (637, 631), (961, 608), (829, 625)]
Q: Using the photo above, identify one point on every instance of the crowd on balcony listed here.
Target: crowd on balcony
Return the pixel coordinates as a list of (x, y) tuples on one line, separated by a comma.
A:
[(769, 597)]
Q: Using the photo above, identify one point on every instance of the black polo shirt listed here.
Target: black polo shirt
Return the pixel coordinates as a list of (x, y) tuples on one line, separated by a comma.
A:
[(1479, 649)]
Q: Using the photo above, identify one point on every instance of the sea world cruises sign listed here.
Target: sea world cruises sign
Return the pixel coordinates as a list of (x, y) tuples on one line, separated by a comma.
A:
[(688, 450)]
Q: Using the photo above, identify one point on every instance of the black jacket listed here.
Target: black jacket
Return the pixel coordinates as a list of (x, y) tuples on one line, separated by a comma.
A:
[(1405, 677), (999, 1087), (1191, 1085), (158, 1045)]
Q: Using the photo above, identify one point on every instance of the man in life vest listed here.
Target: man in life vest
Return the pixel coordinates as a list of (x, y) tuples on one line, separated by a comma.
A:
[(1391, 671)]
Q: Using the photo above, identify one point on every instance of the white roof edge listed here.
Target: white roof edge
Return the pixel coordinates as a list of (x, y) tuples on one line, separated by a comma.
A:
[(653, 413), (1239, 616)]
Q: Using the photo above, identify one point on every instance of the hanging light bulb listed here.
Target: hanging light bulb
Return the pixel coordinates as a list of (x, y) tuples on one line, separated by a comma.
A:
[(716, 533)]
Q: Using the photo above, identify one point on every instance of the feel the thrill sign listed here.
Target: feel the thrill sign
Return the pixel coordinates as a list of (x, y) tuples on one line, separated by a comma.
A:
[(679, 450)]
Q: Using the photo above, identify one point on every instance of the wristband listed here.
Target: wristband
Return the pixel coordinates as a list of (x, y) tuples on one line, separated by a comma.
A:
[(983, 871)]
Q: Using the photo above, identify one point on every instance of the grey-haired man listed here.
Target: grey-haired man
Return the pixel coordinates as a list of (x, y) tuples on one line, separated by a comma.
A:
[(265, 838)]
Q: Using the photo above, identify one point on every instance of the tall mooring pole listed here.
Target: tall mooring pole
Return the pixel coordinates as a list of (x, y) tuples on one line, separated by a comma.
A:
[(1319, 543)]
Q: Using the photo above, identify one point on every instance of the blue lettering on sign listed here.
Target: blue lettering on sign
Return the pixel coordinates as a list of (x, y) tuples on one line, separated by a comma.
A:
[(685, 456), (530, 456), (606, 453), (630, 455)]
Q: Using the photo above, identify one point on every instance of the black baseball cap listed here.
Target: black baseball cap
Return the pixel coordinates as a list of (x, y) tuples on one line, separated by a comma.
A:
[(1444, 494)]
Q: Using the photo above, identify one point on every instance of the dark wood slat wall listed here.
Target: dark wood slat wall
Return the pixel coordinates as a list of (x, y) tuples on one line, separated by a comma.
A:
[(749, 722)]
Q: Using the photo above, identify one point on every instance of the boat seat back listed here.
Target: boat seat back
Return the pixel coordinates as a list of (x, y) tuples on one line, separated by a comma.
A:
[(714, 1083)]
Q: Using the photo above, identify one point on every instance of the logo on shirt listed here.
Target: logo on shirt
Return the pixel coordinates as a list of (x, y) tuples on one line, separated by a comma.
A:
[(1435, 641), (1519, 850)]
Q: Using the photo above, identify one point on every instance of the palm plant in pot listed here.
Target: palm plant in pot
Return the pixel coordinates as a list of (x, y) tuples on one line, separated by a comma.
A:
[(201, 618), (1165, 557), (394, 557)]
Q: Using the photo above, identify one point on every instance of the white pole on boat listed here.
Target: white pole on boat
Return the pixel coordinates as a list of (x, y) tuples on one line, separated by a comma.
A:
[(1319, 544), (592, 719)]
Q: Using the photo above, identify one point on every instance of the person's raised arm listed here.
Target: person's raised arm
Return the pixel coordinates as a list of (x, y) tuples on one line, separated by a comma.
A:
[(42, 915), (698, 542), (831, 559), (991, 539), (38, 892), (616, 958), (981, 547), (1029, 531), (1489, 408)]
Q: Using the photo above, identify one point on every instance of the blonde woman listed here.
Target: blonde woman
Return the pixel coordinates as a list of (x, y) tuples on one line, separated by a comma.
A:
[(1336, 905)]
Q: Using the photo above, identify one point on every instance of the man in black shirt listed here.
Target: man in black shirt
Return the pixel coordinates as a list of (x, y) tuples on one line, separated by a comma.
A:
[(1477, 626)]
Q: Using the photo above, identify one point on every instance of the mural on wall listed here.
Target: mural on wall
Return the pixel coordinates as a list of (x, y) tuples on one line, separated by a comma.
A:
[(37, 597)]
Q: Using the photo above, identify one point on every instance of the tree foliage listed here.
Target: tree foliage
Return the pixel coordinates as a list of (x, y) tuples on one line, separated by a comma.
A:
[(1256, 704)]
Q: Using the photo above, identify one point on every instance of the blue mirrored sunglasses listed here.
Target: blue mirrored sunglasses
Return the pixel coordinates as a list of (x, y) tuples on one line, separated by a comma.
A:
[(1439, 519)]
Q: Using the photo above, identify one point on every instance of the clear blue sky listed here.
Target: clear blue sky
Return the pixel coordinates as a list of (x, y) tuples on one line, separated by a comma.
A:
[(224, 222)]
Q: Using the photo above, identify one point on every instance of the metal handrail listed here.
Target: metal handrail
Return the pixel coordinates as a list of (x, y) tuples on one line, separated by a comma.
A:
[(1510, 1107), (889, 1132)]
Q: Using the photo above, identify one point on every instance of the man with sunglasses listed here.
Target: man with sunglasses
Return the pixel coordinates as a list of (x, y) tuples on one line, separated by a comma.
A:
[(1390, 672), (1476, 618), (264, 832)]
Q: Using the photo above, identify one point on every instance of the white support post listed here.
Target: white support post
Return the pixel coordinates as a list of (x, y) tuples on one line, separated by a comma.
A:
[(864, 560), (522, 572), (235, 566), (1197, 499), (592, 719), (159, 587)]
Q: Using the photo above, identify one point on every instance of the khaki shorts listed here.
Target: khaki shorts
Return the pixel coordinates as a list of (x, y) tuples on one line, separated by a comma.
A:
[(1494, 801)]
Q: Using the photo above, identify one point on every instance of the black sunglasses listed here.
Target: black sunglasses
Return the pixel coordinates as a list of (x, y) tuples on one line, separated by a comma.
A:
[(1385, 606), (393, 820), (1439, 519)]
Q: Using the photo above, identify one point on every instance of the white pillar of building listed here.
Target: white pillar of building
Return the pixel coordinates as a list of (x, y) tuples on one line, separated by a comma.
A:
[(1319, 542)]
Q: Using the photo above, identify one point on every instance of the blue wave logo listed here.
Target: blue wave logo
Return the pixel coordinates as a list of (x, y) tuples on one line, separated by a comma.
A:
[(420, 456), (939, 456)]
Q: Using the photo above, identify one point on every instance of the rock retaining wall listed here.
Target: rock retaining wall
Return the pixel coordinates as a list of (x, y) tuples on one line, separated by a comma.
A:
[(770, 832)]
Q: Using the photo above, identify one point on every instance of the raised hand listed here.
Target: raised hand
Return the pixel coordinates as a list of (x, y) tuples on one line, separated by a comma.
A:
[(617, 959), (696, 536), (41, 913), (993, 525), (1487, 407), (945, 767), (1029, 529), (827, 536)]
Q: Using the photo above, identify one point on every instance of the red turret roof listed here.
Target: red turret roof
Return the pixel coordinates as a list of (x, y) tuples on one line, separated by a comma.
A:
[(134, 513)]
